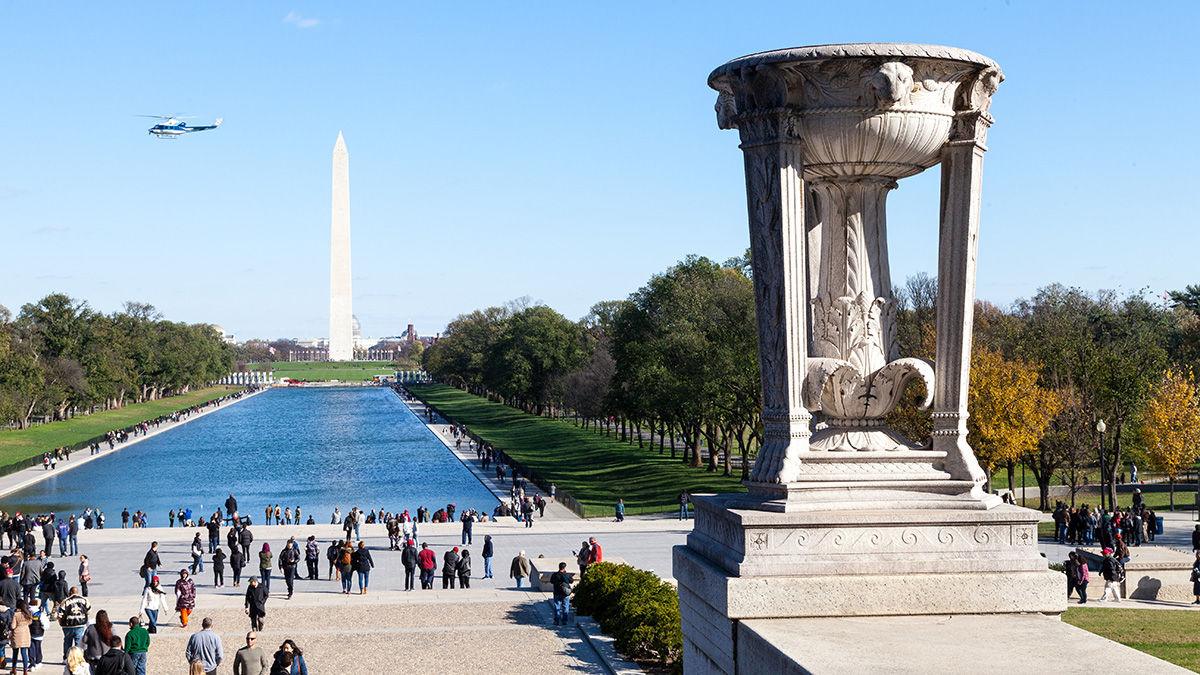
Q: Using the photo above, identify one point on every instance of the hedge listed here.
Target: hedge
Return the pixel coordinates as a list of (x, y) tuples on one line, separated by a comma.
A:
[(637, 608)]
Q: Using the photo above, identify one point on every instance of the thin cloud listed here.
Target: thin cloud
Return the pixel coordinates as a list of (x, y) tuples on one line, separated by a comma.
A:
[(53, 277), (300, 21), (52, 228), (13, 193)]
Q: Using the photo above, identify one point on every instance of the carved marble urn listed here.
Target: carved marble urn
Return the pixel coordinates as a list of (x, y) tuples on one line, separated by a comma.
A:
[(826, 133)]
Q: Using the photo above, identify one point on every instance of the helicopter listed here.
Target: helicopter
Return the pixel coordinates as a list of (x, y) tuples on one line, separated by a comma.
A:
[(172, 127)]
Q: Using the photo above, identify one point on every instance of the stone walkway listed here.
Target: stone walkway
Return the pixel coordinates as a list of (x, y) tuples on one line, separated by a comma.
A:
[(490, 628), (26, 477)]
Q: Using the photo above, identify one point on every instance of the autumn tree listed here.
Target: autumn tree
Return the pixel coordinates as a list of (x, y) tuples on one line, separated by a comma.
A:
[(1009, 409), (1171, 425)]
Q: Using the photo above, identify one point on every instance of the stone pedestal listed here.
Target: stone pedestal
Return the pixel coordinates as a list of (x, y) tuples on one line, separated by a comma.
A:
[(845, 517), (742, 564)]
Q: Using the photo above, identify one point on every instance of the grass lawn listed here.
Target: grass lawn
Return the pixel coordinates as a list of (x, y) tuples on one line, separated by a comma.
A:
[(20, 444), (594, 469), (1171, 636), (330, 370)]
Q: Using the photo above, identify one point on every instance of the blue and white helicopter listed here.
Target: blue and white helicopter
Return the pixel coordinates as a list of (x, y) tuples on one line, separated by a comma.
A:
[(172, 127)]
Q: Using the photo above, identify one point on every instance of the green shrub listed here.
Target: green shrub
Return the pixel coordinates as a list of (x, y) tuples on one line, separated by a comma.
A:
[(637, 608)]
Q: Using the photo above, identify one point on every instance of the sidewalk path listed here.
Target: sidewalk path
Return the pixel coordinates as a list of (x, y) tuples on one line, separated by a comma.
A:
[(26, 477), (441, 430)]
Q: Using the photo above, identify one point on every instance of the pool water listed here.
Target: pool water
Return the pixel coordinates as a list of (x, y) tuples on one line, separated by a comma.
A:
[(315, 448)]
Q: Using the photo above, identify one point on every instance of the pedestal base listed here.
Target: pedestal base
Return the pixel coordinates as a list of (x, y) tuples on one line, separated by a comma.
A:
[(750, 543), (743, 565)]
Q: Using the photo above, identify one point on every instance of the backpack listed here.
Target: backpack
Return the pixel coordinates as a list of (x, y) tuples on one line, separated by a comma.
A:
[(1119, 569), (346, 556)]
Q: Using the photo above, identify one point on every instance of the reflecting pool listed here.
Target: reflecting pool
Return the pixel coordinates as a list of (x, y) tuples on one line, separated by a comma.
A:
[(315, 448)]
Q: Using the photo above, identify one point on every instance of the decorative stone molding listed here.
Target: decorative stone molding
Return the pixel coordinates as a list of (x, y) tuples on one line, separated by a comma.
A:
[(826, 132)]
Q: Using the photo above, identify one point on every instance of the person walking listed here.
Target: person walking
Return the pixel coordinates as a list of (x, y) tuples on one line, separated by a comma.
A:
[(487, 554), (96, 639), (468, 527), (332, 553), (31, 575), (218, 564), (154, 600), (620, 510), (289, 557), (427, 561), (73, 535), (63, 531), (346, 565), (256, 603), (37, 632), (560, 583), (73, 618), (1113, 573), (85, 574), (449, 567), (363, 564), (231, 508), (1082, 577), (264, 565), (684, 498), (1196, 579), (583, 558), (251, 659), (151, 563), (20, 637), (206, 646), (185, 597), (214, 533), (197, 555), (137, 645), (237, 560), (519, 569), (464, 569), (408, 558), (312, 555), (245, 538)]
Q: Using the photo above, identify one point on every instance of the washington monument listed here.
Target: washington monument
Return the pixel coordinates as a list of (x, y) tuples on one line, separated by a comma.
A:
[(341, 340)]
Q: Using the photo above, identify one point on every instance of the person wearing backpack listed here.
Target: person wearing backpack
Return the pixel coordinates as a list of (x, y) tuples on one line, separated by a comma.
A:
[(1114, 573), (560, 582), (346, 566)]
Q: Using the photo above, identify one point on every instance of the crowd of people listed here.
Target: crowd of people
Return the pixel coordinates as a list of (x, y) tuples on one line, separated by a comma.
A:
[(1088, 525)]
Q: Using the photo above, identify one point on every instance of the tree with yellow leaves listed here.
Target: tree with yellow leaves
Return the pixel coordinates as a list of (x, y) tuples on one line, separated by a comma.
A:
[(1009, 409), (1171, 425)]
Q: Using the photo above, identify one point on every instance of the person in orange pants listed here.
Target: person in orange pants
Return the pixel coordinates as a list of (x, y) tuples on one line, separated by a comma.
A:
[(185, 596)]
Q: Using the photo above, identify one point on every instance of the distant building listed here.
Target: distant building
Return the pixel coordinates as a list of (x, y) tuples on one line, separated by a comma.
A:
[(229, 339)]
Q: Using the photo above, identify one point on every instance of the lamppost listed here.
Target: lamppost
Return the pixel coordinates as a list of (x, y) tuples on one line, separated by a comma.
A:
[(1100, 428)]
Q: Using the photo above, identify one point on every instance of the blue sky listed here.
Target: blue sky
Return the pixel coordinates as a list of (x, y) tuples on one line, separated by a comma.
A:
[(564, 151)]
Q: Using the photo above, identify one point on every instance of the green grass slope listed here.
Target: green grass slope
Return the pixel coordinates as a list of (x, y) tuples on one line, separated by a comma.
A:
[(594, 469)]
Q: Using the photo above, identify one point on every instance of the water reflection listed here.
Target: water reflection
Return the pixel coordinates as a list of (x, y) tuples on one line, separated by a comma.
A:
[(312, 448)]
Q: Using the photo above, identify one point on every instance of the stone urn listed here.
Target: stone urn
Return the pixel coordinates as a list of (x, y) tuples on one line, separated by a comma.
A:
[(827, 131)]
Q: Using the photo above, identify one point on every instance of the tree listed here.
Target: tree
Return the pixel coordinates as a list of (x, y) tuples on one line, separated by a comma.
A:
[(535, 348), (1170, 430), (1009, 410)]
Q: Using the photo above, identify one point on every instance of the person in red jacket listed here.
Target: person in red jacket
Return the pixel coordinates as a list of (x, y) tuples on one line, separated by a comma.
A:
[(427, 561), (596, 555)]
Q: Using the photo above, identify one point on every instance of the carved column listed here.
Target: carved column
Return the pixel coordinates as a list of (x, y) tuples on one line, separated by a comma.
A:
[(962, 177), (756, 106)]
